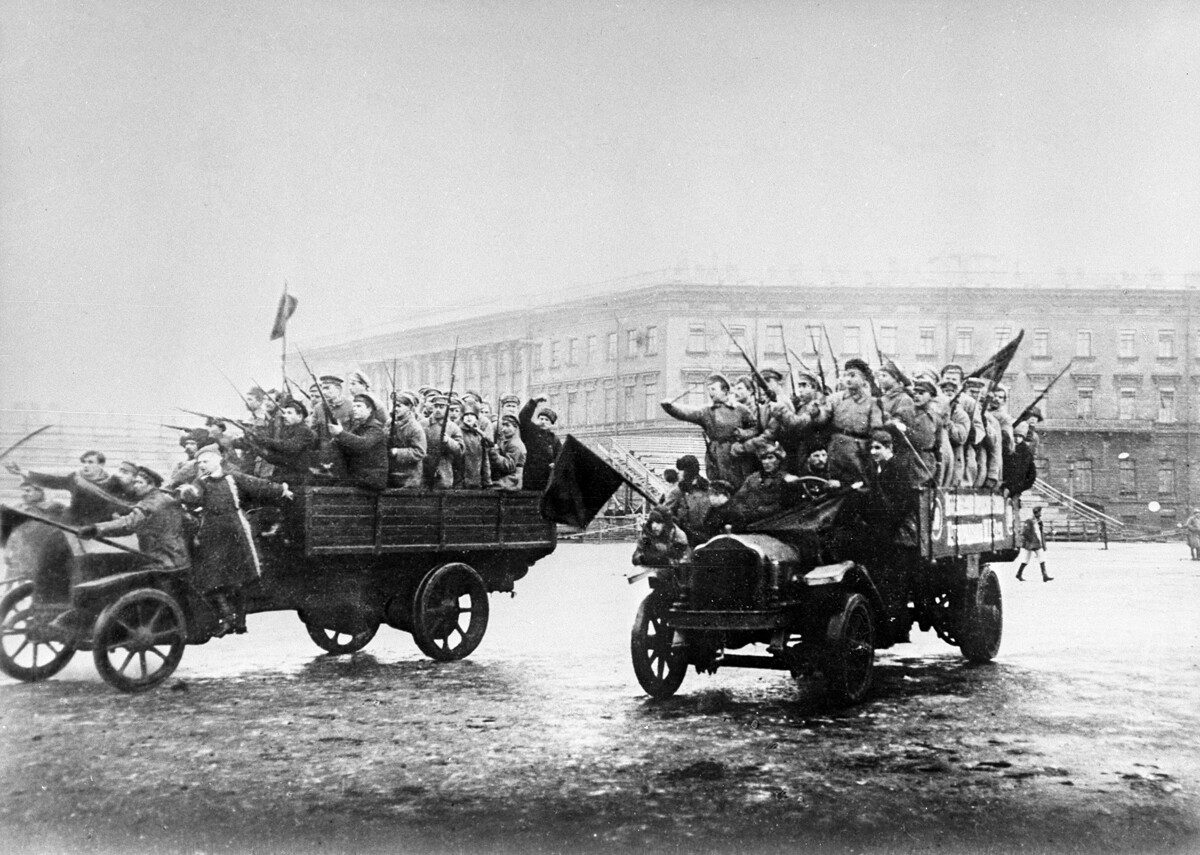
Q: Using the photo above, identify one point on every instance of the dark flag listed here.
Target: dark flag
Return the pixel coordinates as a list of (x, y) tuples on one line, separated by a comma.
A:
[(995, 367), (579, 487), (287, 306)]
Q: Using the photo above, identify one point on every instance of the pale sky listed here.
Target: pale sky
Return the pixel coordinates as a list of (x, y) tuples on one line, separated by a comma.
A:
[(165, 166)]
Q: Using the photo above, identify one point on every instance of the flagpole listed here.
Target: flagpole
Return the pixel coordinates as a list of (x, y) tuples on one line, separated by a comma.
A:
[(283, 352)]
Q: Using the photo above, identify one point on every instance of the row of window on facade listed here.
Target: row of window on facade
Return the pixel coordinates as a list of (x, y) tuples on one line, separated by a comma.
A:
[(816, 338), (1127, 405), (609, 403), (1080, 476)]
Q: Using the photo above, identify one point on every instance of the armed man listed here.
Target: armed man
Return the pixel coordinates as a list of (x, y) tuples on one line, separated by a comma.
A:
[(95, 493), (363, 444), (720, 421), (407, 443), (443, 440)]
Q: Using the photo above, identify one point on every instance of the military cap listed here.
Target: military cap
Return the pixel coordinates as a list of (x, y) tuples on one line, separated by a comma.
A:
[(510, 419), (717, 377), (744, 380), (25, 482), (892, 368), (806, 375), (773, 449), (688, 463), (331, 378), (211, 448), (435, 397), (952, 366), (298, 406), (509, 398), (129, 466), (409, 399), (256, 392), (549, 413), (456, 401), (150, 475), (859, 365), (975, 383), (358, 377), (771, 374), (471, 394), (924, 383), (1035, 412), (188, 436), (926, 374), (368, 399)]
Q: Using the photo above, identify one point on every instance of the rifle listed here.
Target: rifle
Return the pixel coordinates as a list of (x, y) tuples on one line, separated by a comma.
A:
[(820, 368), (329, 416), (758, 378), (394, 389), (245, 400), (176, 427), (1025, 412), (875, 341), (837, 374), (446, 418), (293, 386), (216, 419), (23, 440), (791, 374), (73, 530)]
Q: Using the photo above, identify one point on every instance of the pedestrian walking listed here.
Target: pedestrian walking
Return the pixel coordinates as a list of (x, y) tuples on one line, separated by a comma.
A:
[(1033, 544)]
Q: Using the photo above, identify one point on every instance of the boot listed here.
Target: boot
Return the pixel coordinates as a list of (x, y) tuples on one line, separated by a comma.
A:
[(1020, 570), (1046, 577), (226, 618)]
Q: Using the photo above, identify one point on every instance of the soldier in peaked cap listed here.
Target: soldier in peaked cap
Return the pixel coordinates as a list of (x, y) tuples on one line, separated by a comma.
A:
[(407, 443), (289, 450), (356, 383), (510, 404), (363, 444), (720, 420), (443, 441), (157, 519), (506, 459), (958, 429), (851, 413)]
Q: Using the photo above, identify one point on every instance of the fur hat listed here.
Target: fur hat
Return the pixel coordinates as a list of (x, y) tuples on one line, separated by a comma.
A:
[(859, 365), (774, 449), (548, 413), (892, 368), (298, 406)]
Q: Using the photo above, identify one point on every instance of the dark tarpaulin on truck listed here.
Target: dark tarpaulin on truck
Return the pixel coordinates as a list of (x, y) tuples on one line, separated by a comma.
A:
[(581, 484)]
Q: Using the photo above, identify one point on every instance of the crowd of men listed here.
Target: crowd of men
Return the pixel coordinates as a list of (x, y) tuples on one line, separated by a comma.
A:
[(776, 439), (339, 433)]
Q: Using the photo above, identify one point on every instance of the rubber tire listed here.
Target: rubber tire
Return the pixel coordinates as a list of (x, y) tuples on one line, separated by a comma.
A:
[(433, 604), (659, 667), (850, 651), (326, 639), (10, 617), (109, 632), (982, 624)]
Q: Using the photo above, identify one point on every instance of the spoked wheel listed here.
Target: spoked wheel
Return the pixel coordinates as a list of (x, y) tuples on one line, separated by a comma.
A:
[(450, 612), (27, 652), (850, 651), (139, 640), (659, 667), (332, 641), (982, 618)]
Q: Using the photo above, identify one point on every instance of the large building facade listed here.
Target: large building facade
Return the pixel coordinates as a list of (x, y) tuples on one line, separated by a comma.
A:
[(1121, 425)]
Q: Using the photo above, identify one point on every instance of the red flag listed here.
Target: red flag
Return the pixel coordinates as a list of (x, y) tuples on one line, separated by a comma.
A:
[(287, 306), (579, 487)]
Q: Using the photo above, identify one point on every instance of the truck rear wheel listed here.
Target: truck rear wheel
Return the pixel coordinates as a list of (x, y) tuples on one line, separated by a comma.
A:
[(450, 612), (660, 668), (334, 641), (850, 651), (982, 619)]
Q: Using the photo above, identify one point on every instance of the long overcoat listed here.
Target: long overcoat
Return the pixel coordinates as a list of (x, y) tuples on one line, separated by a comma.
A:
[(225, 551), (158, 521)]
